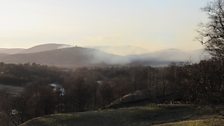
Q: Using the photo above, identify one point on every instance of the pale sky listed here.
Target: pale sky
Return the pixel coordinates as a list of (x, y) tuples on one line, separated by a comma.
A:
[(152, 24)]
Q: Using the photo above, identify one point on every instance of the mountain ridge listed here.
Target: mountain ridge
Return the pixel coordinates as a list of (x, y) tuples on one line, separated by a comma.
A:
[(68, 56)]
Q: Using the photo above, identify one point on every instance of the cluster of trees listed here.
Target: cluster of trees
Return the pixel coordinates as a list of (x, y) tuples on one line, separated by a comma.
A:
[(93, 88), (22, 74), (5, 106)]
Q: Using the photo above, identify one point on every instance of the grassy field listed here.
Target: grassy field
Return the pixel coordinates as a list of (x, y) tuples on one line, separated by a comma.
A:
[(134, 116), (214, 121)]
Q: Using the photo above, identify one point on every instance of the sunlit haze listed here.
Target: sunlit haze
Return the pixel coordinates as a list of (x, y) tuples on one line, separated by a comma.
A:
[(151, 24)]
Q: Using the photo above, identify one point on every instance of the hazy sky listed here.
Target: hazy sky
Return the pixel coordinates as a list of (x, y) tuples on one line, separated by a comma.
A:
[(152, 24)]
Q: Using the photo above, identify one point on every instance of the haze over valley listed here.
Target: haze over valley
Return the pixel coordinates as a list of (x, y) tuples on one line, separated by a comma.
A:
[(74, 56)]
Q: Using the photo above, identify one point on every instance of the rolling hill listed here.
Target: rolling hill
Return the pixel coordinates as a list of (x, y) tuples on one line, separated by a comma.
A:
[(134, 116), (10, 51), (44, 47), (68, 56), (65, 57), (35, 49)]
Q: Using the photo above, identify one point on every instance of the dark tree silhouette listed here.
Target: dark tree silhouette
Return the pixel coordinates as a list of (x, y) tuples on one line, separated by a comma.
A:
[(212, 33)]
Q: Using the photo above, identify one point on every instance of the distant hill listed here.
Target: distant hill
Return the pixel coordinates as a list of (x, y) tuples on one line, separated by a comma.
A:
[(3, 55), (66, 57), (45, 47), (10, 51), (35, 49)]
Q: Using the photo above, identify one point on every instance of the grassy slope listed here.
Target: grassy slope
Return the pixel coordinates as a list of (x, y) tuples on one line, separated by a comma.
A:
[(135, 116), (214, 121)]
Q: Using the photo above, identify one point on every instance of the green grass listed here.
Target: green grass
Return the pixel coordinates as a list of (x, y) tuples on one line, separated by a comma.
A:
[(205, 122), (134, 116)]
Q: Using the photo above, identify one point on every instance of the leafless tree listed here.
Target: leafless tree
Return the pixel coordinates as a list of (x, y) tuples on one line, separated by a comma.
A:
[(212, 32)]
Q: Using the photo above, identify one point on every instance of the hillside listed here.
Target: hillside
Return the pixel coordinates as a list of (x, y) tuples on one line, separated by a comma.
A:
[(134, 116), (3, 55), (214, 121), (35, 49), (45, 47), (66, 57), (10, 51)]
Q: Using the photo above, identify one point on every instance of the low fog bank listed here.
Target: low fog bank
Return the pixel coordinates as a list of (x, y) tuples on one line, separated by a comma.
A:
[(70, 56)]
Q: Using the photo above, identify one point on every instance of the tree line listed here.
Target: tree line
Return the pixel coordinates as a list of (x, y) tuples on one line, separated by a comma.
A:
[(94, 88)]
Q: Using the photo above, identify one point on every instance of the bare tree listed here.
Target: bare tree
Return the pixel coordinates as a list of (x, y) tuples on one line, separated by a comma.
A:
[(212, 33)]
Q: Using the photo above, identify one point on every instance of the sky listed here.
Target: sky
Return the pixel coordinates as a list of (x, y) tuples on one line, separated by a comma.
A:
[(151, 24)]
